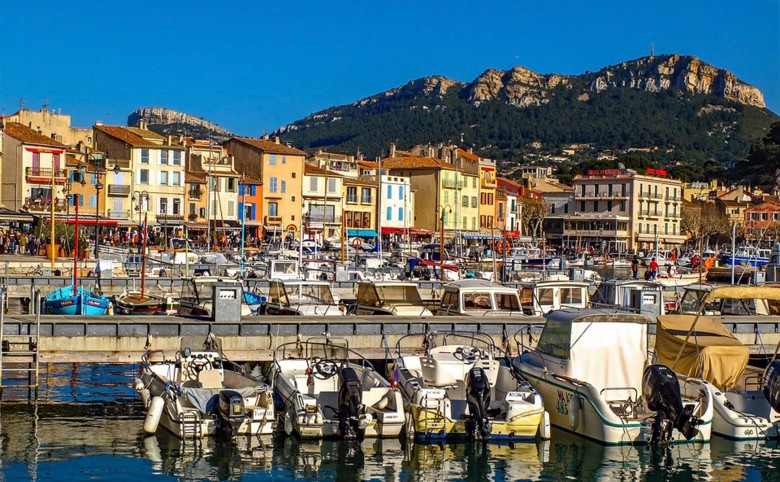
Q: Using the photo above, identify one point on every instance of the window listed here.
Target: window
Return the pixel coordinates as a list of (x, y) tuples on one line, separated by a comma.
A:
[(284, 186), (272, 185), (666, 228), (552, 209), (163, 157), (192, 209), (272, 159), (231, 208), (566, 208), (610, 189), (473, 185), (365, 195), (273, 208), (389, 216), (400, 192), (595, 206), (284, 159), (622, 205), (596, 189), (609, 204), (352, 194), (177, 206), (163, 178), (143, 176), (163, 205), (92, 200), (473, 202), (446, 197), (465, 202), (93, 179), (313, 184), (389, 191), (177, 158), (623, 190), (144, 156), (332, 185), (176, 178), (582, 206), (232, 182), (400, 214), (582, 189)]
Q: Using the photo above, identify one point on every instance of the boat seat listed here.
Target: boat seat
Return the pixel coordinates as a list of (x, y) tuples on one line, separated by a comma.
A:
[(210, 379), (434, 375)]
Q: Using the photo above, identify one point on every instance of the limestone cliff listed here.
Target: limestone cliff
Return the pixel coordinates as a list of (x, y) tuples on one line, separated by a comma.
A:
[(167, 121)]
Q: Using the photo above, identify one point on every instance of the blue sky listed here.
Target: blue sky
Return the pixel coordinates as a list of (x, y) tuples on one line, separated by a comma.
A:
[(252, 66)]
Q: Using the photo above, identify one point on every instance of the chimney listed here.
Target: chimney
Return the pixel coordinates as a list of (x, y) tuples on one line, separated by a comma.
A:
[(265, 137), (276, 139), (170, 139), (141, 124), (181, 139), (392, 149)]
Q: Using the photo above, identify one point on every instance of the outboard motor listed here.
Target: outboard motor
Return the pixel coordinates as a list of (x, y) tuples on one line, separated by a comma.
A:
[(350, 404), (771, 386), (230, 412), (478, 399), (661, 390)]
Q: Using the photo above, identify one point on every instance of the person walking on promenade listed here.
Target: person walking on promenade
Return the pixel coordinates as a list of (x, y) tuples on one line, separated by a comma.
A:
[(635, 267), (653, 269)]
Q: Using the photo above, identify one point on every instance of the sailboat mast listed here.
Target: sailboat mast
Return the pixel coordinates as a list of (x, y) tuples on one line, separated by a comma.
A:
[(76, 247)]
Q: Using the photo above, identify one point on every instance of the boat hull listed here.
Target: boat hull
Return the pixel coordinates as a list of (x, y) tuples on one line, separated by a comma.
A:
[(83, 303), (430, 424)]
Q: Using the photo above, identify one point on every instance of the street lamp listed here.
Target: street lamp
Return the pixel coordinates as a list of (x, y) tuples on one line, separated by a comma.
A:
[(446, 208)]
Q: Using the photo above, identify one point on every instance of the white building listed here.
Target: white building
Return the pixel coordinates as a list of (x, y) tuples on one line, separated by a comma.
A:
[(396, 206)]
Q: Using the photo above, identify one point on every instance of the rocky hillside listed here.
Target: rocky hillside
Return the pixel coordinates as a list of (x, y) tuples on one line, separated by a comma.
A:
[(676, 103), (166, 121)]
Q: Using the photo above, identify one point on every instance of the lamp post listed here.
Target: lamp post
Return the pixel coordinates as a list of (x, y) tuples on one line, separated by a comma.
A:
[(140, 200), (441, 237), (99, 167)]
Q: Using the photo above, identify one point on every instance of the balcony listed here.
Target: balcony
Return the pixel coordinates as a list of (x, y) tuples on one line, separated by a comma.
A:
[(39, 175), (195, 195), (122, 163), (650, 195), (601, 195), (366, 200), (674, 198), (120, 190), (40, 205), (650, 213), (324, 219), (118, 214), (453, 184), (610, 233), (272, 221), (351, 199)]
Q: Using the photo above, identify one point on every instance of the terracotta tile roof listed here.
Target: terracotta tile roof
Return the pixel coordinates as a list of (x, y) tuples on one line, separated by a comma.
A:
[(348, 181), (195, 177), (316, 154), (318, 171), (27, 135), (366, 164), (123, 134), (415, 162), (146, 133), (768, 207), (270, 146), (247, 179), (468, 155)]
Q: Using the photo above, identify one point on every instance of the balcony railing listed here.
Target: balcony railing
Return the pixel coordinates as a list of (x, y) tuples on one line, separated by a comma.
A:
[(601, 195), (122, 163), (121, 190), (366, 200), (44, 205), (44, 175), (453, 184), (118, 214), (673, 198), (325, 219), (650, 195), (273, 220), (595, 232), (650, 213), (196, 195)]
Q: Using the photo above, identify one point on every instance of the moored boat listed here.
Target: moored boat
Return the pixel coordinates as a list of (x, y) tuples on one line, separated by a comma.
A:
[(75, 301)]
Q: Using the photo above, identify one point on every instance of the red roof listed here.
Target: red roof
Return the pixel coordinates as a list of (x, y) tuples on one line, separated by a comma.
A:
[(415, 162), (266, 145), (27, 135), (126, 135)]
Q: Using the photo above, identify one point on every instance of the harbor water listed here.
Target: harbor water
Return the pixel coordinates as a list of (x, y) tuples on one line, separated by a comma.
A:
[(89, 426)]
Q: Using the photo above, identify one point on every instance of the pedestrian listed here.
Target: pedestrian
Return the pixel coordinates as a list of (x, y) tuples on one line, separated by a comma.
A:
[(635, 267), (653, 269)]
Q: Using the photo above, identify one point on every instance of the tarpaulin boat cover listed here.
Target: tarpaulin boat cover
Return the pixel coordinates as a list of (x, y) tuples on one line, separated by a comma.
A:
[(712, 353)]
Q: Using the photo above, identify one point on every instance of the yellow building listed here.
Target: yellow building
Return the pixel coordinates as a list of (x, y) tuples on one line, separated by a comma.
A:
[(323, 192), (487, 195), (280, 169), (360, 207)]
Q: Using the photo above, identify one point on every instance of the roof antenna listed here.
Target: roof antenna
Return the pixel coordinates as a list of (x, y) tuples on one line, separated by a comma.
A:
[(652, 50)]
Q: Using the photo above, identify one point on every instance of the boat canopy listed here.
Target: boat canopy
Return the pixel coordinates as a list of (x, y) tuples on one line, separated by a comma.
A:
[(607, 349), (711, 353), (771, 293)]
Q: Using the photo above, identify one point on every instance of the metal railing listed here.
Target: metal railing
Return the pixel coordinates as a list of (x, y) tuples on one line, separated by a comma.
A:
[(118, 190), (44, 173), (118, 214)]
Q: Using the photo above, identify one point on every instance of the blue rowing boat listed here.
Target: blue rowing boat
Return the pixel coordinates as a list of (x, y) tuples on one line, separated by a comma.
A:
[(83, 302)]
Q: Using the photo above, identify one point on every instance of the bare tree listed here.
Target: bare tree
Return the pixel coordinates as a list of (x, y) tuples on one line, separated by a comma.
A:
[(701, 221), (533, 214)]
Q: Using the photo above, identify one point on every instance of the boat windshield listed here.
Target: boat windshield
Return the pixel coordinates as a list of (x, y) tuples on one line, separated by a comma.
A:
[(310, 293), (399, 295)]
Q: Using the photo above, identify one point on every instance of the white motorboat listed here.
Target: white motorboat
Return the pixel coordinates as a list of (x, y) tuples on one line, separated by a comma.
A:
[(199, 393), (700, 346), (389, 298), (459, 389), (304, 298), (635, 296), (474, 297), (545, 296), (323, 389), (594, 374)]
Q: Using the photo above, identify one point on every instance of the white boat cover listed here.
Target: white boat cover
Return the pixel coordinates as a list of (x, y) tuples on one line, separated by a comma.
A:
[(607, 350), (200, 397)]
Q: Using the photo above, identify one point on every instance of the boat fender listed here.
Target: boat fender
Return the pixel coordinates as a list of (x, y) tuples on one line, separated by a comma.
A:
[(383, 402), (153, 415), (146, 397), (138, 385), (110, 309), (544, 426), (574, 412)]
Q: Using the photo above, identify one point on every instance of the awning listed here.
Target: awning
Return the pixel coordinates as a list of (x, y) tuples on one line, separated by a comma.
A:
[(420, 232), (512, 234), (393, 230), (362, 233), (10, 215), (227, 223), (480, 236), (195, 226)]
